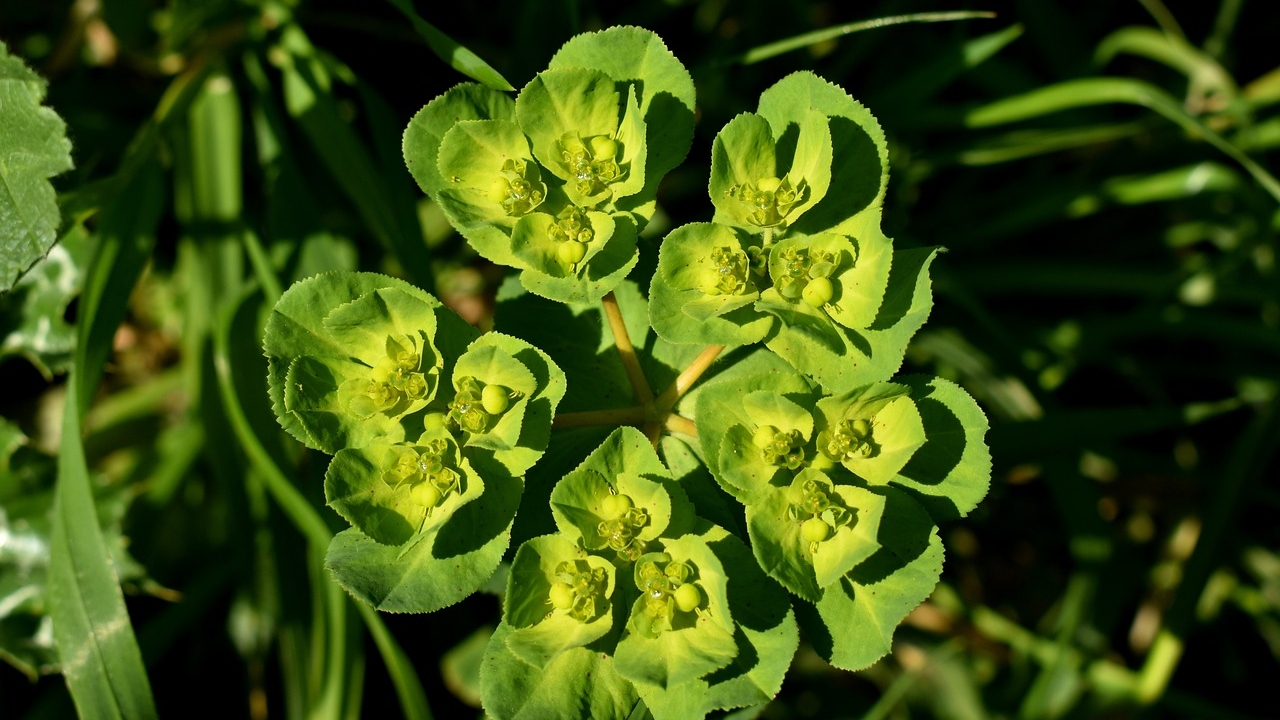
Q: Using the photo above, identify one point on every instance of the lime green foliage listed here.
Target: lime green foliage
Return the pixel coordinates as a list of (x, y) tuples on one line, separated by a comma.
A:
[(559, 183), (832, 477), (33, 148)]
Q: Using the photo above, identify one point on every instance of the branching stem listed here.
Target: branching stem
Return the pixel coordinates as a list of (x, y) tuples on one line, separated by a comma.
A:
[(688, 377), (630, 361), (680, 424)]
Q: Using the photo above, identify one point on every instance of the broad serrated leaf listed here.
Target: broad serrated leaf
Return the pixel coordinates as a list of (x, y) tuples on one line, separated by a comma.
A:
[(852, 625), (699, 641), (540, 631), (428, 127), (679, 306), (766, 636), (951, 472), (363, 487), (581, 682), (33, 149), (664, 89), (860, 155), (31, 314), (435, 570), (865, 356)]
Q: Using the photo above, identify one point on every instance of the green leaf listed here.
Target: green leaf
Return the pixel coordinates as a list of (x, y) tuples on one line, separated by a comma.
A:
[(664, 90), (852, 625), (699, 641), (539, 630), (580, 682), (804, 566), (27, 492), (362, 485), (864, 356), (765, 634), (560, 106), (437, 569), (33, 148), (951, 473), (894, 430), (518, 452), (482, 163), (428, 127), (859, 168), (296, 329), (445, 48), (679, 306), (99, 653), (748, 153), (605, 269), (585, 503), (31, 314), (719, 408)]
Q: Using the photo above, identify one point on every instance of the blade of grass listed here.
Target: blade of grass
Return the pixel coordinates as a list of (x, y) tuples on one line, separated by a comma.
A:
[(242, 317), (1171, 51), (309, 101), (100, 658), (924, 82), (1105, 91), (764, 52), (458, 57)]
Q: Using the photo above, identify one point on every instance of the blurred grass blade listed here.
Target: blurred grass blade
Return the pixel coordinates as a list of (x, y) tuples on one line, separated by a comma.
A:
[(238, 325), (99, 653), (309, 101), (1173, 52), (458, 57), (1105, 91), (764, 52), (1265, 90), (126, 235), (1028, 143)]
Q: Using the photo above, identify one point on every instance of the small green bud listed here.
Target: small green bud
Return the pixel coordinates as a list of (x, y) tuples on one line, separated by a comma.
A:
[(435, 421), (764, 436), (425, 494), (818, 292), (495, 399), (603, 148), (814, 530), (562, 596), (571, 252), (613, 507), (768, 185), (688, 597)]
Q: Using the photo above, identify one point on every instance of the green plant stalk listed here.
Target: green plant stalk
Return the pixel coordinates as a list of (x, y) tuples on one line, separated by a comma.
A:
[(627, 351), (413, 698)]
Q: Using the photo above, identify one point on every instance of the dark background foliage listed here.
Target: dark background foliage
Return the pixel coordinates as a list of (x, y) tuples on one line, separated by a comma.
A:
[(1109, 296)]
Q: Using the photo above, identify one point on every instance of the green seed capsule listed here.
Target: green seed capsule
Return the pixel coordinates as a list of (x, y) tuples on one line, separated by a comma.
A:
[(814, 530), (425, 494), (764, 436), (861, 428), (561, 596), (603, 148), (818, 292), (571, 252), (495, 399), (768, 184), (613, 507), (435, 421), (688, 597)]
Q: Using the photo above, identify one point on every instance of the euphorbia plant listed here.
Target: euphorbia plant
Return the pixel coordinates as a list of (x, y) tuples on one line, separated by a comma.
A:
[(671, 545)]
